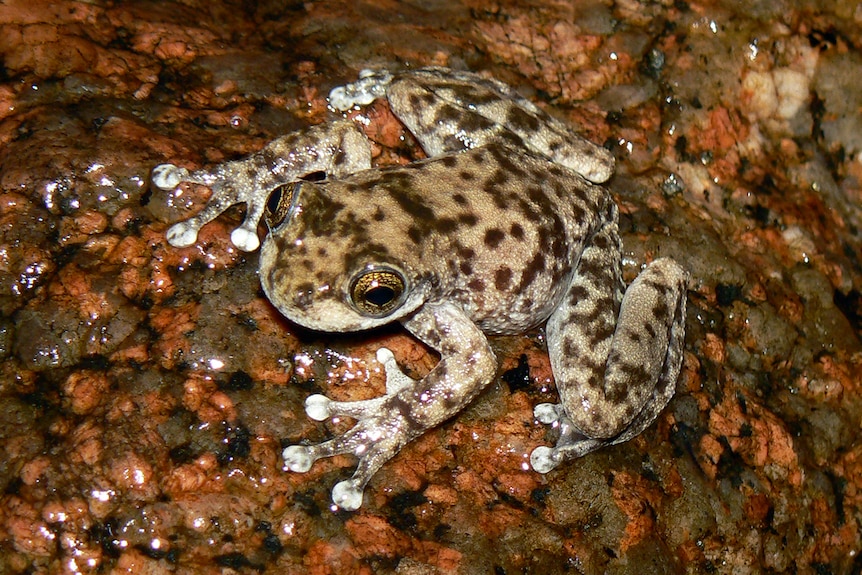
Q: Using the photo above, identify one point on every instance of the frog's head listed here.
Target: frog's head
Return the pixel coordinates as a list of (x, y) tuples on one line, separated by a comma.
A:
[(328, 265)]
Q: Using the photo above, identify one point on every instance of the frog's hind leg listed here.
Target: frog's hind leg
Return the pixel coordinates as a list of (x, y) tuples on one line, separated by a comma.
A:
[(451, 111), (616, 357)]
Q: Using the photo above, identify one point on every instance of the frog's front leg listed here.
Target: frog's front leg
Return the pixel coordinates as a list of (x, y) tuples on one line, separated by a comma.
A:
[(615, 358), (339, 149), (409, 407)]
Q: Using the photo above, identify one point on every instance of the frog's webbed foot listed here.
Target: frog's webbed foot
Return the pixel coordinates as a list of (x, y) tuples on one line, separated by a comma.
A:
[(337, 149), (224, 195), (570, 445), (370, 86), (381, 430)]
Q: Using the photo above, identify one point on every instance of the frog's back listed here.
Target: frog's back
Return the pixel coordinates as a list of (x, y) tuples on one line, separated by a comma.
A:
[(499, 229)]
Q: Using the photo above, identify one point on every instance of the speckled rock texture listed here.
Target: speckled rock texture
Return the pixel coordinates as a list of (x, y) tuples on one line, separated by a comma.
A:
[(147, 391)]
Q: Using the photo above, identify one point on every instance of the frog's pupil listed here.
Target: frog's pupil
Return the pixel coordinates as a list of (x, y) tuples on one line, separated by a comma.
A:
[(273, 201), (380, 296)]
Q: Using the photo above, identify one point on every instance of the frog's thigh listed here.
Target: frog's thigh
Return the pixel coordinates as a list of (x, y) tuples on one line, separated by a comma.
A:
[(615, 374), (440, 125)]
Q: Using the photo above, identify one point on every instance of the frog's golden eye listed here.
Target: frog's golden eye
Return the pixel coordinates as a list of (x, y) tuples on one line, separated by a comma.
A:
[(377, 291), (279, 203)]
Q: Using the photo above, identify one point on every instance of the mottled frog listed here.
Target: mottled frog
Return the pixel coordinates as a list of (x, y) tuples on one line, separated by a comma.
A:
[(503, 228)]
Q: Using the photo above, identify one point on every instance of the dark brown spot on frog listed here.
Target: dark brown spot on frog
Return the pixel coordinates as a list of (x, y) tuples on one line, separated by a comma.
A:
[(379, 215), (472, 123), (602, 331), (446, 225), (561, 272), (465, 254), (494, 237), (578, 212), (530, 213), (536, 194), (517, 231), (591, 267), (634, 373), (466, 176), (600, 241), (448, 113), (349, 225), (476, 285), (494, 187), (649, 329), (468, 219), (340, 157), (558, 248), (521, 121), (532, 271), (473, 95), (466, 268), (449, 161), (577, 293), (415, 234), (412, 205), (502, 156), (459, 199), (556, 170), (660, 309), (502, 278), (269, 158), (571, 349)]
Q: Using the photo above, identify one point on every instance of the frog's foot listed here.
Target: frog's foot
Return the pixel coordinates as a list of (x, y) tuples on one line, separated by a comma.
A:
[(381, 430), (371, 85), (570, 445), (224, 194)]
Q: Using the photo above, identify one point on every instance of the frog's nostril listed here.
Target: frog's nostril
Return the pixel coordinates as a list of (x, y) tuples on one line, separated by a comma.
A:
[(304, 298)]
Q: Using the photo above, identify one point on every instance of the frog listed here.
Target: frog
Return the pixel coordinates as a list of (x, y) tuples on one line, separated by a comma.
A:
[(507, 225)]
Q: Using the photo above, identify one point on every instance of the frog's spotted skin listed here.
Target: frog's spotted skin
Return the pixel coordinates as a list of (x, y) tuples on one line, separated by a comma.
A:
[(503, 228)]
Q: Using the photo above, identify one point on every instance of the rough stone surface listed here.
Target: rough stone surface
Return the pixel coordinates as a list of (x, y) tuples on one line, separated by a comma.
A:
[(147, 391)]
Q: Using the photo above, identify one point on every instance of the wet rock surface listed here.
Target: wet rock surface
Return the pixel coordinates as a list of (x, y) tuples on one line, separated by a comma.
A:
[(147, 390)]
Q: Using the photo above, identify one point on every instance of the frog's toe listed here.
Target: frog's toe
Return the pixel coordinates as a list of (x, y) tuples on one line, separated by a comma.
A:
[(547, 413), (298, 458), (396, 380), (348, 494), (182, 234), (372, 443), (318, 407), (168, 176), (543, 459), (570, 445), (370, 86), (245, 239)]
